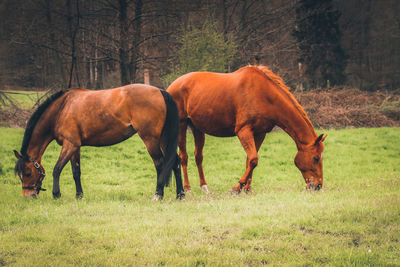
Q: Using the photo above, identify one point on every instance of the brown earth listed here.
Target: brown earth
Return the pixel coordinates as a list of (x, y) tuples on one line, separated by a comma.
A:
[(336, 108), (14, 117), (341, 108)]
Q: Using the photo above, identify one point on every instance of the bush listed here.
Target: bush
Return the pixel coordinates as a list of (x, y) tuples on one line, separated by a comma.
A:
[(201, 49), (391, 108)]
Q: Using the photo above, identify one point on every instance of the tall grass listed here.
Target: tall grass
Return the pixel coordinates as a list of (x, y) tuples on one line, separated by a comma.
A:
[(353, 220)]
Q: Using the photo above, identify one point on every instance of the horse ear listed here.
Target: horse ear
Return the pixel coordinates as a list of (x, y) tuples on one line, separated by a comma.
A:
[(17, 155), (320, 139)]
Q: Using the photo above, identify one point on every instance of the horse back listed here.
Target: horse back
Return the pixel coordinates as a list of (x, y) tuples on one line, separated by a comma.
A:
[(110, 116), (220, 104)]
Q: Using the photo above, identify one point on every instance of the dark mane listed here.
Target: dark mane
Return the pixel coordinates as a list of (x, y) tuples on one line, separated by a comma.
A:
[(35, 118)]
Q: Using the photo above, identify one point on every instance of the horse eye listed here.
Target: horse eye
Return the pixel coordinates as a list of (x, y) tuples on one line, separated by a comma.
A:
[(28, 175), (316, 159)]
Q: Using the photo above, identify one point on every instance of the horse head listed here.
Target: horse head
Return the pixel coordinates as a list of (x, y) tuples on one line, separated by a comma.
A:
[(309, 161), (31, 174)]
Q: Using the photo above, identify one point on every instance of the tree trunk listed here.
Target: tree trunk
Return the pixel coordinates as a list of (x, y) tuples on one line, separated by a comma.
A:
[(123, 42), (99, 74), (88, 73), (73, 30), (136, 39), (53, 42)]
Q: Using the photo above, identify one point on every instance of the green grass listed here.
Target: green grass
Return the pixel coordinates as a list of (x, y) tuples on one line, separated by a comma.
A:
[(353, 221), (23, 99)]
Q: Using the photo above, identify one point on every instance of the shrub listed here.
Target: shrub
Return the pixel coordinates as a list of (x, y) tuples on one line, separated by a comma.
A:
[(201, 49)]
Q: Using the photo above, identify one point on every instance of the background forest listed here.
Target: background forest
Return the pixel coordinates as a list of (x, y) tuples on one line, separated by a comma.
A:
[(103, 43), (351, 46)]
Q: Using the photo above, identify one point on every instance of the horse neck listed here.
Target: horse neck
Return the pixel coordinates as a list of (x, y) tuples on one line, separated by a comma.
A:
[(41, 138), (295, 122)]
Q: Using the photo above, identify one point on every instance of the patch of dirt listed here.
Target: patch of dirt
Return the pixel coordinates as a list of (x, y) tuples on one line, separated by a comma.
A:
[(341, 108), (14, 117)]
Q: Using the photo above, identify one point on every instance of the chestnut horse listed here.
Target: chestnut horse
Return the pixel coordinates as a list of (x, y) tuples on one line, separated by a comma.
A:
[(247, 103), (79, 117)]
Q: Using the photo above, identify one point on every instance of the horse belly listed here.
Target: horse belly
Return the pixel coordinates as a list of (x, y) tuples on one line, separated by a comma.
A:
[(109, 136), (212, 115), (220, 127)]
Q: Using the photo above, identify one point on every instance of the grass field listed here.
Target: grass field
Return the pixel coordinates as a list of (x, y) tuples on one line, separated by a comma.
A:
[(354, 220), (23, 99)]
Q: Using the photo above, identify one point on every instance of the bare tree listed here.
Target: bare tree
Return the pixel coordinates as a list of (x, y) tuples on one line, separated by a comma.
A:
[(105, 43)]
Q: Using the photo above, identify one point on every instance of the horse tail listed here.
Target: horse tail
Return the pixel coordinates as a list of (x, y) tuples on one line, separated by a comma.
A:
[(170, 135)]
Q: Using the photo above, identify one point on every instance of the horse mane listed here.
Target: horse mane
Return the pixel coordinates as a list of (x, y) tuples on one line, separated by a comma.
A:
[(274, 77), (35, 118), (286, 90)]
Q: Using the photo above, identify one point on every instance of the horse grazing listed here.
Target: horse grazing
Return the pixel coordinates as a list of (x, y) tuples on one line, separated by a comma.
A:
[(79, 117), (247, 103)]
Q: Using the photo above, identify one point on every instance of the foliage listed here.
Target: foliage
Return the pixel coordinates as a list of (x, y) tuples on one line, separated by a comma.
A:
[(345, 107), (201, 48), (391, 107), (41, 40), (353, 220), (318, 35)]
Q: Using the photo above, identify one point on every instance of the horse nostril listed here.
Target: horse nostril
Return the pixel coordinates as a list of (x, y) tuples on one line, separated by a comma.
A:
[(318, 187)]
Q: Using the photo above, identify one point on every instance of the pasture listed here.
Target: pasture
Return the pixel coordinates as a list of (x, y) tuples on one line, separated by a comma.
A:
[(23, 99), (353, 220)]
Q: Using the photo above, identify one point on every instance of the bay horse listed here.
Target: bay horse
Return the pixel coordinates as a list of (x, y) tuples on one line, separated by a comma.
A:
[(80, 117), (247, 103)]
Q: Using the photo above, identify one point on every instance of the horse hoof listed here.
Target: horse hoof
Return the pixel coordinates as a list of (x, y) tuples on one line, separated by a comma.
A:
[(180, 196), (157, 197), (204, 189), (79, 195), (236, 189), (247, 190), (56, 195)]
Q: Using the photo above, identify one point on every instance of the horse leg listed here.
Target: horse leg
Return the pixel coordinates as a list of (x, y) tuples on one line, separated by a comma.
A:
[(180, 192), (183, 154), (158, 162), (76, 172), (246, 138), (258, 140), (153, 147), (68, 149), (199, 139)]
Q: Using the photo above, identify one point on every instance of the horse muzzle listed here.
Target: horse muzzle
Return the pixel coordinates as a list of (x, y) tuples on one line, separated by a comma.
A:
[(30, 193), (314, 187)]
